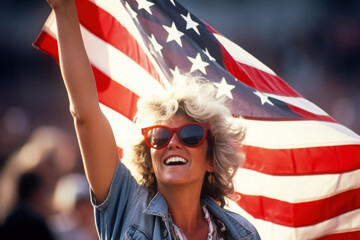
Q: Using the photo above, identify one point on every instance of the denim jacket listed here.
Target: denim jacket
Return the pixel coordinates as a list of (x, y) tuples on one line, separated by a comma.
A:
[(129, 212)]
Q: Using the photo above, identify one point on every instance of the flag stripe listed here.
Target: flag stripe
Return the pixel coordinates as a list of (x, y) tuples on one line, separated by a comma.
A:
[(297, 214), (47, 44), (300, 103), (349, 221), (295, 189), (277, 161), (297, 134), (343, 236), (239, 54), (311, 116)]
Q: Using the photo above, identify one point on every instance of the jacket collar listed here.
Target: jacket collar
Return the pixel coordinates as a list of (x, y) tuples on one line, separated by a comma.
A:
[(159, 207), (235, 228)]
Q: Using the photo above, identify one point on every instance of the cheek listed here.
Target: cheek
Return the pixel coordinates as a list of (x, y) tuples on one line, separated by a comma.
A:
[(155, 156), (152, 155)]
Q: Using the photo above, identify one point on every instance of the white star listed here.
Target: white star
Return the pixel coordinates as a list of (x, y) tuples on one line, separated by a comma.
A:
[(224, 88), (176, 73), (208, 54), (264, 99), (132, 13), (174, 34), (191, 23), (143, 4), (172, 1), (157, 47), (198, 64)]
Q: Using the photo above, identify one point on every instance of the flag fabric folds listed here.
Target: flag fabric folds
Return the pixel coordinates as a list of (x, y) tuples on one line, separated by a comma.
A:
[(301, 178)]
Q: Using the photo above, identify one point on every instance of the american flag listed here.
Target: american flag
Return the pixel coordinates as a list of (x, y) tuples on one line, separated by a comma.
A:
[(301, 178)]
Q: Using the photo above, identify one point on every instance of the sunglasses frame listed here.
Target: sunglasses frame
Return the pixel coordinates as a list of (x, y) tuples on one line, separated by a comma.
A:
[(205, 127)]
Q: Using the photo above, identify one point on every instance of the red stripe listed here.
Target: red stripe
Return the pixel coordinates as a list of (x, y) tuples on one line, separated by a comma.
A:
[(254, 77), (47, 44), (120, 152), (300, 214), (311, 116), (342, 236), (115, 96), (316, 160), (106, 27)]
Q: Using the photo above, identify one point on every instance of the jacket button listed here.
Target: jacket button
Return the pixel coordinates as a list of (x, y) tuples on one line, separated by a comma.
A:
[(165, 233)]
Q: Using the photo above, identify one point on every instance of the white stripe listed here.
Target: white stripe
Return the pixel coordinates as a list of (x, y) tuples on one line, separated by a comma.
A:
[(297, 134), (295, 189), (124, 130), (50, 25), (300, 103), (268, 231), (240, 55), (118, 66)]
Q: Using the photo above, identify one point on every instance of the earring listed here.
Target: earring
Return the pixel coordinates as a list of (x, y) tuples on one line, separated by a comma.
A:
[(151, 179), (211, 179)]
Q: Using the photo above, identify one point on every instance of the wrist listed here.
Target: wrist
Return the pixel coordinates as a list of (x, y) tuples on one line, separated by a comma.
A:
[(64, 8)]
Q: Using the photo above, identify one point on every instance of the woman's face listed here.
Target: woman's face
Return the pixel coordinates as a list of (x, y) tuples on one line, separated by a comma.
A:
[(191, 162)]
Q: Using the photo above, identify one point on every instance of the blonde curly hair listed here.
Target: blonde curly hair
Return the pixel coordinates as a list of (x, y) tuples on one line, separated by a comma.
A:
[(196, 99)]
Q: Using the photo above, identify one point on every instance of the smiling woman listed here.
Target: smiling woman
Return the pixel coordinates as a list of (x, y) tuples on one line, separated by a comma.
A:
[(195, 101), (187, 158)]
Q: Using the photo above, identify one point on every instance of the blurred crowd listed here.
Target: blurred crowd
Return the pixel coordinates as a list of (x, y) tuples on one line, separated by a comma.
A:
[(44, 195), (313, 45)]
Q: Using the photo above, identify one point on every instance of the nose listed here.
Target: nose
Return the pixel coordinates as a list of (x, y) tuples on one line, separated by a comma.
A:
[(174, 142)]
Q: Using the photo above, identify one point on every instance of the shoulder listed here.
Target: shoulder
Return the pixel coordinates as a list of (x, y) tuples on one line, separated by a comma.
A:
[(240, 219), (237, 226), (244, 223)]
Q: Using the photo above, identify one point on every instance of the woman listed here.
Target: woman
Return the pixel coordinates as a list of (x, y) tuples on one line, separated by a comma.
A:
[(186, 159)]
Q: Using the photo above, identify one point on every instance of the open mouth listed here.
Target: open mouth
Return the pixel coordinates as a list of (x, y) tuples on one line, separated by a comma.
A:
[(173, 161)]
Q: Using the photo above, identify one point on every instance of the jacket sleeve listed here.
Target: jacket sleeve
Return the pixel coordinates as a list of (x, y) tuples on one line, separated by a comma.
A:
[(110, 214)]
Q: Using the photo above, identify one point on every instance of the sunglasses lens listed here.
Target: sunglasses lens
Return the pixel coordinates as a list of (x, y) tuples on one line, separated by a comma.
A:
[(192, 134), (158, 137)]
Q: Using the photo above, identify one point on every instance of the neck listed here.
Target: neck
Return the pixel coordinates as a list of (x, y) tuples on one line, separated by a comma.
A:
[(185, 208)]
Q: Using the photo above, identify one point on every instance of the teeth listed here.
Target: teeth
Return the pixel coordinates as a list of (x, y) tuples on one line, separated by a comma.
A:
[(175, 160)]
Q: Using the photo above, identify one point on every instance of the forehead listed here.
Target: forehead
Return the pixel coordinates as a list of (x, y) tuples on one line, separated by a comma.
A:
[(176, 121)]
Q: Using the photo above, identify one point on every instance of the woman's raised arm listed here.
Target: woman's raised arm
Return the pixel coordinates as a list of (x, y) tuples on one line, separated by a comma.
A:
[(95, 136)]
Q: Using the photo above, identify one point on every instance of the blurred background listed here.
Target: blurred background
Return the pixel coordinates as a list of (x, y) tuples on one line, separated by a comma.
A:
[(312, 45)]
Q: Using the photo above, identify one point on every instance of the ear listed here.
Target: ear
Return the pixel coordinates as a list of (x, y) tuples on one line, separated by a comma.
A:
[(210, 164)]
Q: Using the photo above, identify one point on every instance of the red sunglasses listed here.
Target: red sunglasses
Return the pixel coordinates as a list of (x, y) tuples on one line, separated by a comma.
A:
[(191, 135)]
